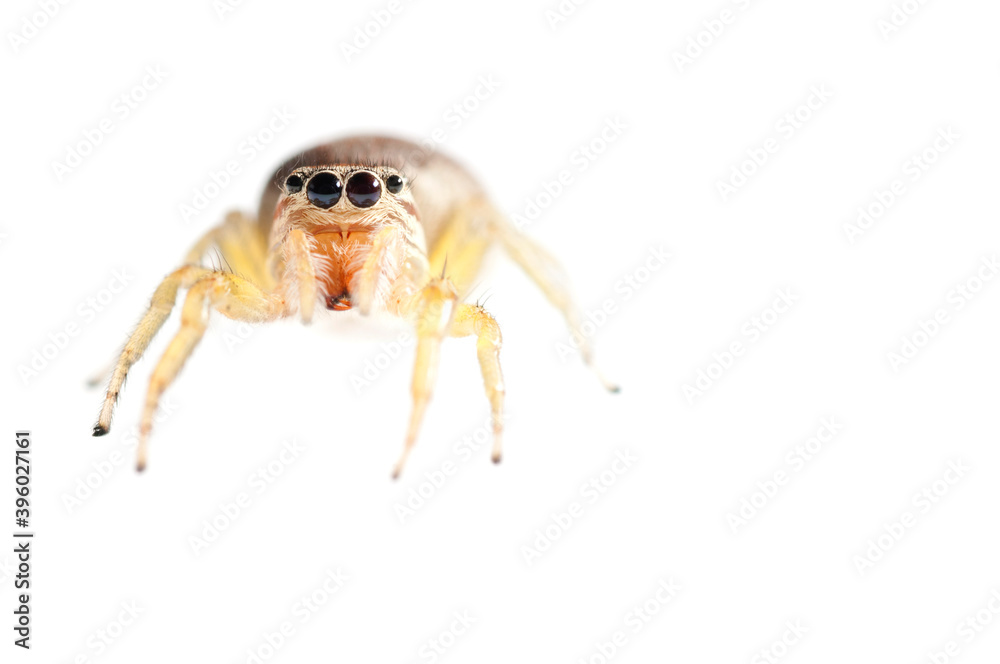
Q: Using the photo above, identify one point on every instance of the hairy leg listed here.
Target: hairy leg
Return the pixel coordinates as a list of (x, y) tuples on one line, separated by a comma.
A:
[(244, 251), (159, 309), (433, 307), (473, 319), (234, 297), (373, 281), (550, 277), (242, 247), (300, 274), (463, 242)]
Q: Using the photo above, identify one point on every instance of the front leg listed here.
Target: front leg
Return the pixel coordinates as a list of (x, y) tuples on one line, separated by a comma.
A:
[(232, 296), (159, 309), (433, 307), (300, 273), (473, 319), (385, 279)]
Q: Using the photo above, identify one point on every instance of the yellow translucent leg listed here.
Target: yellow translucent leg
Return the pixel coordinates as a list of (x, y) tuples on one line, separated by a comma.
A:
[(241, 248), (462, 245), (229, 294), (299, 270), (470, 319), (433, 306), (159, 309), (386, 249), (550, 277)]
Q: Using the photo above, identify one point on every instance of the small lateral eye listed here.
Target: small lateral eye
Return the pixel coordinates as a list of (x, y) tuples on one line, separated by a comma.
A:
[(293, 184), (324, 189), (394, 184), (364, 189)]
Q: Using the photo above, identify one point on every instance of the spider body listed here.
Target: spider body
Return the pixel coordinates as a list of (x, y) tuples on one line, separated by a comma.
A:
[(368, 223)]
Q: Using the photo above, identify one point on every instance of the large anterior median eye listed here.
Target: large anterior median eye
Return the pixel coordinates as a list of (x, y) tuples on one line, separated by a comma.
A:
[(324, 189), (364, 189)]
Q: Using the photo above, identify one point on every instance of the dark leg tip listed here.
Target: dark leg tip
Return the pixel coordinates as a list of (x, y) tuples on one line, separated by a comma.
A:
[(615, 389), (99, 430)]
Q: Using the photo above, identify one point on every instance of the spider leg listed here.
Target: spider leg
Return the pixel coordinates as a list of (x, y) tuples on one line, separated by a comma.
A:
[(435, 316), (299, 270), (244, 250), (462, 244), (159, 309), (231, 295), (456, 257), (550, 277), (385, 257), (434, 306), (473, 319)]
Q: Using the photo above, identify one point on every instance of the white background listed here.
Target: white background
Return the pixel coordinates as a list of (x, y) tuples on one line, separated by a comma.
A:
[(687, 125)]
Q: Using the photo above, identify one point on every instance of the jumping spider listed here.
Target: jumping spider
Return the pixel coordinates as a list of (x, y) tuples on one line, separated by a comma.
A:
[(366, 223)]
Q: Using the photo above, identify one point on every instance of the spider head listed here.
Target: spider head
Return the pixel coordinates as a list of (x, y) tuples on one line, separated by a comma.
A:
[(360, 221), (359, 198)]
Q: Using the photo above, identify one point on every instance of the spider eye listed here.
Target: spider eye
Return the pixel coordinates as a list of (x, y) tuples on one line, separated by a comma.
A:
[(324, 189), (293, 184), (364, 189), (394, 184)]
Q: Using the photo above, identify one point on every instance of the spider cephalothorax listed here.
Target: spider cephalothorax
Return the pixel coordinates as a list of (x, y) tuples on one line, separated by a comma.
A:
[(357, 230), (348, 225)]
